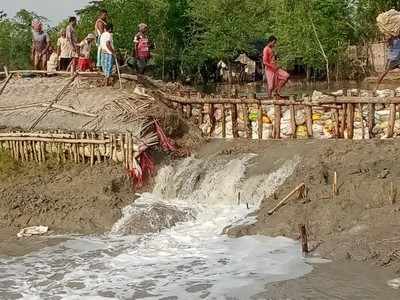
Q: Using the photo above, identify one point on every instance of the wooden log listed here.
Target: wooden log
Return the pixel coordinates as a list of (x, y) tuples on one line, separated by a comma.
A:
[(337, 122), (247, 125), (392, 120), (76, 150), (304, 238), (82, 147), (284, 200), (102, 148), (223, 120), (309, 121), (343, 124), (234, 114), (371, 119), (31, 156), (189, 110), (293, 121), (260, 120), (130, 154), (277, 122), (350, 122)]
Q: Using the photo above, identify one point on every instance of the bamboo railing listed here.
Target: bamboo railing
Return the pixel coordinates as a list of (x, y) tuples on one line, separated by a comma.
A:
[(77, 147), (343, 109)]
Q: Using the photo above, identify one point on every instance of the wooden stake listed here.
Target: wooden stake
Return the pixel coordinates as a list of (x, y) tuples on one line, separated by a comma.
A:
[(113, 151), (91, 150), (189, 109), (337, 123), (130, 154), (98, 152), (371, 119), (277, 122), (260, 120), (392, 120), (82, 146), (122, 145), (309, 121), (360, 108), (344, 119), (393, 194), (212, 118), (304, 238), (350, 123), (293, 121), (247, 125), (235, 129), (223, 120), (283, 202), (335, 190)]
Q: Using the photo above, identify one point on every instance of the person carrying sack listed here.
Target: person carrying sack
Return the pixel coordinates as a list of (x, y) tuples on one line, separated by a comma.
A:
[(141, 49)]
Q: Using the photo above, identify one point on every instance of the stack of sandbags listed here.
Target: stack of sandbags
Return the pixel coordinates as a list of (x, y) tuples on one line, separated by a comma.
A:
[(389, 23)]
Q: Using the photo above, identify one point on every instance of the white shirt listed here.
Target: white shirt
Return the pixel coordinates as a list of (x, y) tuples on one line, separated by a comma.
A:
[(65, 47), (106, 37)]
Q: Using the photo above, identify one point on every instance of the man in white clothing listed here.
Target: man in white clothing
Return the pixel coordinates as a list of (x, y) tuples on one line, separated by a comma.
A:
[(107, 53)]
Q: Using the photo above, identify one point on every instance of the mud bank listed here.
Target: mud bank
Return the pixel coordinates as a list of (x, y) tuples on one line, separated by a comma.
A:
[(69, 199), (360, 223)]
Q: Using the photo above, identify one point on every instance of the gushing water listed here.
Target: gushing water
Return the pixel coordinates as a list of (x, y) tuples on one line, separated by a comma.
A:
[(191, 260)]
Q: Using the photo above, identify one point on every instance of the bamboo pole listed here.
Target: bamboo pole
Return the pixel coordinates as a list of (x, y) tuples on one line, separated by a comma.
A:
[(126, 149), (247, 125), (344, 119), (360, 108), (371, 119), (57, 140), (337, 123), (130, 152), (223, 120), (113, 148), (82, 146), (392, 120), (3, 87), (350, 123), (284, 200), (234, 114), (309, 121), (91, 149), (122, 145), (189, 109), (97, 149), (260, 120), (277, 122), (293, 121), (213, 120), (335, 190)]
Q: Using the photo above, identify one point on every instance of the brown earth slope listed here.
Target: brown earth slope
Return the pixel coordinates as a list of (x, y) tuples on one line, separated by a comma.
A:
[(362, 222)]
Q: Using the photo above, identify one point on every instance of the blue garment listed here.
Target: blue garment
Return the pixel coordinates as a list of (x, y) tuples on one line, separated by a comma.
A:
[(394, 50), (107, 62)]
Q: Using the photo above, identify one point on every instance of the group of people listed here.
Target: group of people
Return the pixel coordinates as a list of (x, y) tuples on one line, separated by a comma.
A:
[(72, 55)]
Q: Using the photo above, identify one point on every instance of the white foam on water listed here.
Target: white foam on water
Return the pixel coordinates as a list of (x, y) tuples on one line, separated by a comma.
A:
[(192, 260)]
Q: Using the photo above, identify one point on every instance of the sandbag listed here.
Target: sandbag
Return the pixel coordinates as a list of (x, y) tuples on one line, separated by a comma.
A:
[(389, 23)]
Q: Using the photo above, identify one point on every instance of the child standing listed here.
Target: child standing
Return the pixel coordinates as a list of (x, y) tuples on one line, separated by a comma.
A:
[(84, 62)]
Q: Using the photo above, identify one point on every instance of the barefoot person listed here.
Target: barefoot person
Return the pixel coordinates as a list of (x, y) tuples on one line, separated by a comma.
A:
[(141, 48), (393, 61), (72, 39), (99, 28), (64, 51), (40, 46), (107, 53), (276, 77), (85, 63)]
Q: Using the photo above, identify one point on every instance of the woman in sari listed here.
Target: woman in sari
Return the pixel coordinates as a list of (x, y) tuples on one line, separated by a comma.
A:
[(276, 77)]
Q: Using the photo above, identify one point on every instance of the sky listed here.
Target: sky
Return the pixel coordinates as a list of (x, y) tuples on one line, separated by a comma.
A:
[(54, 10)]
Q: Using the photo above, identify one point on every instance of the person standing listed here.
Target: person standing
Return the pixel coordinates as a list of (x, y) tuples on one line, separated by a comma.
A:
[(72, 39), (276, 77), (393, 60), (107, 53), (141, 48), (99, 28), (40, 46), (85, 63), (64, 51)]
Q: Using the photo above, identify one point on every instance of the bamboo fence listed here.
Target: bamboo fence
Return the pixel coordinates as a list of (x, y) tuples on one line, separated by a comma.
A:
[(78, 147), (342, 107)]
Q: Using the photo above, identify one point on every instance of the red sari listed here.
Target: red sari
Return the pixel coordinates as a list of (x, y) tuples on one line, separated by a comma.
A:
[(276, 77)]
